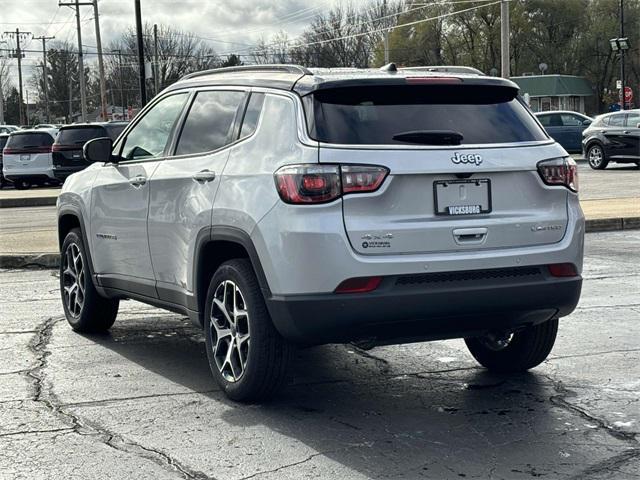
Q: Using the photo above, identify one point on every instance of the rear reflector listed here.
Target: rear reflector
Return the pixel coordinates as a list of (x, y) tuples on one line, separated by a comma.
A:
[(563, 270), (359, 285)]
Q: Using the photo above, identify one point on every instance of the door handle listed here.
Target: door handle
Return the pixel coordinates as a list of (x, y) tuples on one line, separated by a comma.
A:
[(627, 132), (204, 176), (138, 181)]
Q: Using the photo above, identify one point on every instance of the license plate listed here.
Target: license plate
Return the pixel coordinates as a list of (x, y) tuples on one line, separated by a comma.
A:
[(25, 157), (462, 197)]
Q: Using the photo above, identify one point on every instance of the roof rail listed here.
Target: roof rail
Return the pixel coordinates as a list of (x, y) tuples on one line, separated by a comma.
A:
[(273, 68)]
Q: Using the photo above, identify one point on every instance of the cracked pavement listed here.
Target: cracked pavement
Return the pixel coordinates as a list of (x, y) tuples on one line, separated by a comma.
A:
[(140, 402)]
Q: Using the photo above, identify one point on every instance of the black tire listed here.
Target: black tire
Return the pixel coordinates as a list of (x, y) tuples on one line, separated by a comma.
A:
[(85, 309), (22, 185), (596, 157), (526, 349), (251, 335)]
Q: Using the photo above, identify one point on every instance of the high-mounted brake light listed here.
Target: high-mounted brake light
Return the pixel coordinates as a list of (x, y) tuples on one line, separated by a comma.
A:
[(559, 171), (312, 184), (433, 80)]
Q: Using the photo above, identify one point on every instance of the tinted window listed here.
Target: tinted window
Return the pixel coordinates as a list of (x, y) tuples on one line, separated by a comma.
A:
[(3, 142), (616, 120), (374, 115), (569, 120), (252, 115), (150, 135), (27, 140), (554, 120), (209, 123), (633, 119), (79, 136), (115, 130)]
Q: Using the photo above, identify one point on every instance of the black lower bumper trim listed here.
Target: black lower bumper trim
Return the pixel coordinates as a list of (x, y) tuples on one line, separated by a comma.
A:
[(397, 313)]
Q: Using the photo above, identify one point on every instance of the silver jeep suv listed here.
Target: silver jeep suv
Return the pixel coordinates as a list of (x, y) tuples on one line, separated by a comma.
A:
[(280, 206)]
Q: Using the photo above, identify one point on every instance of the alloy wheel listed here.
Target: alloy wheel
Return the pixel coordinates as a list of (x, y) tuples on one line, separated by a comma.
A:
[(595, 156), (73, 280), (230, 336)]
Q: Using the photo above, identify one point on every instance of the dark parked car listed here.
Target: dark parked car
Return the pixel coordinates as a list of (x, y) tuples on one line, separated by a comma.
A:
[(67, 149), (3, 141), (565, 127), (614, 137)]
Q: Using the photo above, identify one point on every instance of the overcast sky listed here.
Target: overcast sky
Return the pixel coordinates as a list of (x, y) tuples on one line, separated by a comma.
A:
[(230, 24)]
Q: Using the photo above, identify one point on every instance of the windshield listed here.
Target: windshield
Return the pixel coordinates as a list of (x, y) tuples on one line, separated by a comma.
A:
[(383, 115)]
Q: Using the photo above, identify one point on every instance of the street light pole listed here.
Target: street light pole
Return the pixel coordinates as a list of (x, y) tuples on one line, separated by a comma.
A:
[(504, 38), (622, 56)]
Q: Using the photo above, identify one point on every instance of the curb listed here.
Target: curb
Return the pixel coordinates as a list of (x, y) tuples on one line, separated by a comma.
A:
[(27, 202), (52, 260)]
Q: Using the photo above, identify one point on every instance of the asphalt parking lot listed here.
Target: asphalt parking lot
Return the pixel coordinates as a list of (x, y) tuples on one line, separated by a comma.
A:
[(140, 402)]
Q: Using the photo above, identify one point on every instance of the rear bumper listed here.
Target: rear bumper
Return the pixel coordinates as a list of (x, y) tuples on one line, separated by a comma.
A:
[(61, 173), (428, 307), (33, 178)]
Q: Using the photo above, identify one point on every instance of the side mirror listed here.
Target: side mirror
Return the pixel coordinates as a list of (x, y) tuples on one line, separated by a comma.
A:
[(587, 122), (98, 150)]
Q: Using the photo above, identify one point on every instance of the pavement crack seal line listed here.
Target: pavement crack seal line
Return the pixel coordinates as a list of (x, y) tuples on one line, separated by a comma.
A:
[(382, 364), (283, 467), (42, 393)]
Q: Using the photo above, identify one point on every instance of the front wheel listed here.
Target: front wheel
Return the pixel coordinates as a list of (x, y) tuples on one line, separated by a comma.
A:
[(85, 310), (247, 356), (596, 157), (514, 352), (22, 185)]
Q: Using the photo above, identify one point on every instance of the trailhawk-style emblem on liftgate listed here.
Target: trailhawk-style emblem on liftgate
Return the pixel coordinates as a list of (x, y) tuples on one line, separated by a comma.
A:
[(466, 158)]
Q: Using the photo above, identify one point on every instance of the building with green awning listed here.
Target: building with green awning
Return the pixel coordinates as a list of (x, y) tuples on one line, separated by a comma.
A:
[(555, 92)]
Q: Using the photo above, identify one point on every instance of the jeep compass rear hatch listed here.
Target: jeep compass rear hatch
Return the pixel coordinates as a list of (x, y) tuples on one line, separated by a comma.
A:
[(462, 160)]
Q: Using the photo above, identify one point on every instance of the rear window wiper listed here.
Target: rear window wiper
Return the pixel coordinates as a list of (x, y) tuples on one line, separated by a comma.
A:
[(430, 137)]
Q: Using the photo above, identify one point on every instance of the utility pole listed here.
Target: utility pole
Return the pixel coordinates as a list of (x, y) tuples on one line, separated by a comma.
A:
[(504, 38), (622, 56), (70, 103), (143, 87), (45, 74), (27, 92), (18, 54), (103, 88), (1, 91), (386, 47), (121, 82), (83, 94), (156, 71)]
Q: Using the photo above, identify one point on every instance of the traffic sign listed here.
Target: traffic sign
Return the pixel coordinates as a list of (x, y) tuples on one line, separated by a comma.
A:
[(628, 94)]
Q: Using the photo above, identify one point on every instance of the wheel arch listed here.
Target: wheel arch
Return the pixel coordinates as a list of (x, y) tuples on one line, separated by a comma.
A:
[(68, 219), (216, 245)]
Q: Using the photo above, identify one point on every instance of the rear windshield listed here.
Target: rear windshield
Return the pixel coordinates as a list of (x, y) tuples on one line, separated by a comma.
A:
[(80, 135), (115, 130), (28, 140), (423, 114)]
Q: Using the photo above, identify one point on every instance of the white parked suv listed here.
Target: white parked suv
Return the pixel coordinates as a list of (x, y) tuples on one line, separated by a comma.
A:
[(27, 158), (280, 206)]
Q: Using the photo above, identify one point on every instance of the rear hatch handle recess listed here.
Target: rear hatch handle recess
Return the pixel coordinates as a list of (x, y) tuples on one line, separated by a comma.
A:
[(470, 236)]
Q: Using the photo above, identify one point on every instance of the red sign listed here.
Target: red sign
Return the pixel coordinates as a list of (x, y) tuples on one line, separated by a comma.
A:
[(628, 94)]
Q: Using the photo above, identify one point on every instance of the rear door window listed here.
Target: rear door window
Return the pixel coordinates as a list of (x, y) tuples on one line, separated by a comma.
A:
[(420, 114), (210, 121), (569, 120), (30, 140), (616, 120), (79, 136), (3, 142)]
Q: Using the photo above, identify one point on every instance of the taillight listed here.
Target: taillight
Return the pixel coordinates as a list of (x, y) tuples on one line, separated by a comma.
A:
[(563, 270), (559, 171), (10, 151), (305, 184), (359, 285)]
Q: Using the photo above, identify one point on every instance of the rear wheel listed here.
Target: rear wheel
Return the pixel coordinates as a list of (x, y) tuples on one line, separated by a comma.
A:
[(247, 356), (22, 184), (514, 352), (85, 309), (596, 157)]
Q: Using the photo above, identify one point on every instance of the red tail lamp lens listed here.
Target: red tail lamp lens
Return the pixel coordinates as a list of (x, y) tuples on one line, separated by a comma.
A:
[(563, 270), (357, 178), (560, 171), (308, 183), (359, 285)]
